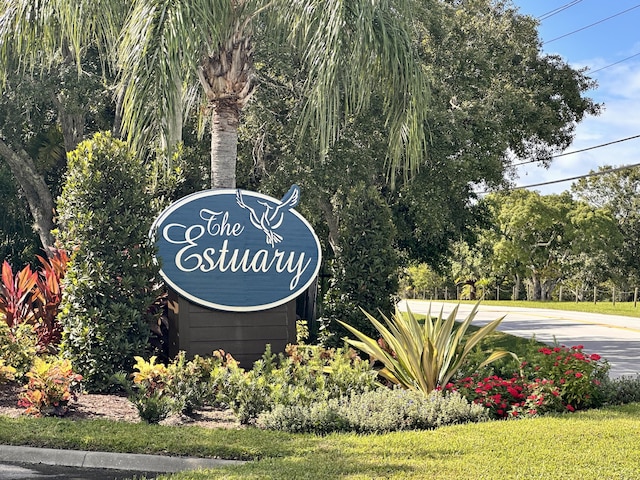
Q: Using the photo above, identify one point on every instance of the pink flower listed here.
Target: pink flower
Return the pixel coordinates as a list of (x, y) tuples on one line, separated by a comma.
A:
[(571, 408), (595, 357), (579, 375)]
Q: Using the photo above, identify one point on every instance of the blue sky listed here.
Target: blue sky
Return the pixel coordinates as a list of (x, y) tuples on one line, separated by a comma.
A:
[(609, 41)]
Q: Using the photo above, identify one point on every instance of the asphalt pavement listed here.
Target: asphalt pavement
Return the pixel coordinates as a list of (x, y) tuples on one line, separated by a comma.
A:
[(27, 471), (615, 338), (18, 462)]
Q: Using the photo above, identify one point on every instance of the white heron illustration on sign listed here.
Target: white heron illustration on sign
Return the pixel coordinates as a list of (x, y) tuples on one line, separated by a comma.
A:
[(272, 214)]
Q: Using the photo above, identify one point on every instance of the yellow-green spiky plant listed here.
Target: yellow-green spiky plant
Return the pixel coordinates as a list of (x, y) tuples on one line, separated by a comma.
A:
[(423, 356)]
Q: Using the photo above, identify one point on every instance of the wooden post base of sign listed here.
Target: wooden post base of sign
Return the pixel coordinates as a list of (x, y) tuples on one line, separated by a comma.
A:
[(199, 331)]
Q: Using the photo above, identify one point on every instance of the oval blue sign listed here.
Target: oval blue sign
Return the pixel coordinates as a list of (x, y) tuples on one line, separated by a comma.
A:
[(237, 250)]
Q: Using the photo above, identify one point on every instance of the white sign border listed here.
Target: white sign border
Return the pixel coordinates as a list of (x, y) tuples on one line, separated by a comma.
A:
[(227, 308)]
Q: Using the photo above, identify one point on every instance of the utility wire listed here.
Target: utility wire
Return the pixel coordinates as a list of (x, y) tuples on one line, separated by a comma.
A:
[(562, 180), (592, 174), (578, 151), (591, 25), (590, 72), (551, 13)]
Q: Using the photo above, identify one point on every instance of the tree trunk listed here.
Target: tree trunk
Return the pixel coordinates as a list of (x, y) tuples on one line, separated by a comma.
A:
[(332, 223), (536, 287), (548, 287), (35, 190), (224, 144), (116, 130), (516, 289), (72, 125), (472, 290)]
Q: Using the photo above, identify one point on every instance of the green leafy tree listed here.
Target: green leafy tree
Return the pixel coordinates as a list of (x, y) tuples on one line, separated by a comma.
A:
[(548, 235), (618, 191), (495, 94), (496, 97), (469, 265), (420, 279), (104, 221)]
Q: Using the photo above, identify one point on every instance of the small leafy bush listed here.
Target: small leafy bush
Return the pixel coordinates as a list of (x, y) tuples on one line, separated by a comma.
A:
[(623, 390), (149, 393), (377, 411), (578, 376), (180, 387), (306, 374), (189, 382), (51, 386), (18, 347)]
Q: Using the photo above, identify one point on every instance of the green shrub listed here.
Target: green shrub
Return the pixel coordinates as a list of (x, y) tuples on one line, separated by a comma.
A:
[(189, 383), (364, 272), (623, 390), (305, 375), (320, 418), (18, 347), (104, 219), (378, 411), (149, 392)]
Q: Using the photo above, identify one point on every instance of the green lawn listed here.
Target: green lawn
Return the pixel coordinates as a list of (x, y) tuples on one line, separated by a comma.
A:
[(596, 444), (620, 308)]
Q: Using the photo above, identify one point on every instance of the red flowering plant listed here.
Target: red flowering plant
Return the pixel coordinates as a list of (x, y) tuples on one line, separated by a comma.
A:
[(578, 376), (508, 398)]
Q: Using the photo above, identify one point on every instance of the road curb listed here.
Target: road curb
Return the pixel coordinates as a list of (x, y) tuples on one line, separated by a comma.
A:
[(115, 461)]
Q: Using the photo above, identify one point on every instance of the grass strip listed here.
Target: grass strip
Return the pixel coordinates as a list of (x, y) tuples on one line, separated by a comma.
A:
[(587, 445), (626, 309), (109, 436), (594, 444)]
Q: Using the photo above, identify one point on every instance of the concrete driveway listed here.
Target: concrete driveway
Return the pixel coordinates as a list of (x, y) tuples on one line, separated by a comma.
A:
[(615, 338)]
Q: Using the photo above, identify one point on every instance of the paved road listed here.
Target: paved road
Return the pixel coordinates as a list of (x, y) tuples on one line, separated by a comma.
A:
[(615, 338), (18, 462), (24, 471)]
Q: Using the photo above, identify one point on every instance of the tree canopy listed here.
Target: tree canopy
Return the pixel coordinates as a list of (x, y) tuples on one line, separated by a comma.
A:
[(548, 237)]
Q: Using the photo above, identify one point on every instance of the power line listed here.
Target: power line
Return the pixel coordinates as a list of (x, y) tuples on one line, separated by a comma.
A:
[(612, 64), (592, 174), (551, 13), (579, 151), (591, 25)]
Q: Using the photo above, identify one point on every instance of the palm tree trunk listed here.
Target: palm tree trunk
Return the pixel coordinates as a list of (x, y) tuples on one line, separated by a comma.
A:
[(72, 124), (225, 119), (35, 191)]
